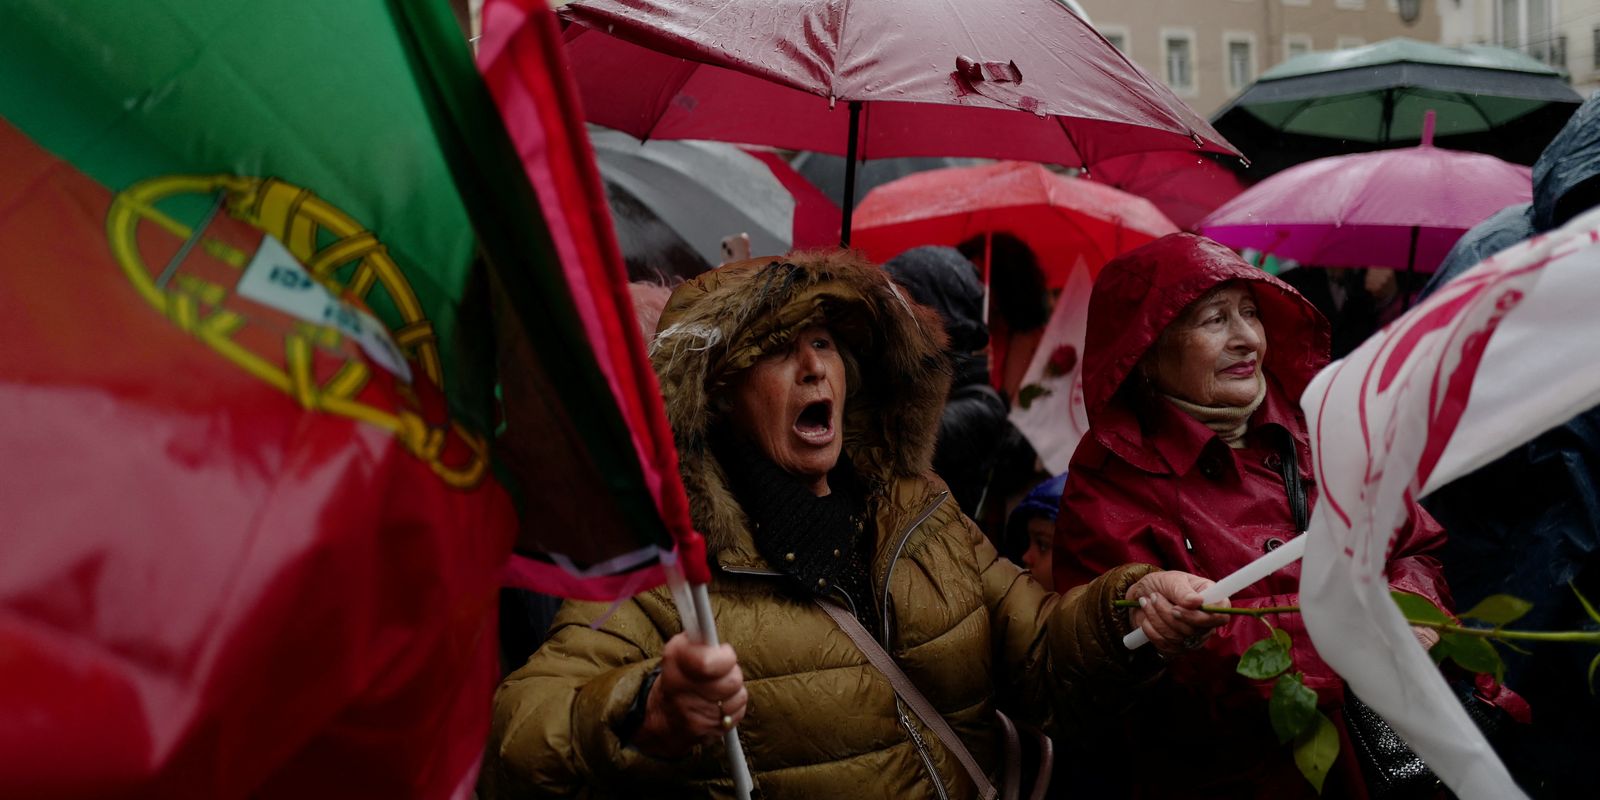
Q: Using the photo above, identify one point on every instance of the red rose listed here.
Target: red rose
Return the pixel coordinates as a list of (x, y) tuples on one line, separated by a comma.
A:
[(1061, 361)]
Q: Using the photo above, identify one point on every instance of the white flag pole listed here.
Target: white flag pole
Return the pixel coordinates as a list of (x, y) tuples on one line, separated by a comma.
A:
[(694, 609), (1254, 571)]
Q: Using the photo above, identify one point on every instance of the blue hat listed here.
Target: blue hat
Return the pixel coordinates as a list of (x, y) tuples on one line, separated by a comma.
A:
[(1043, 501)]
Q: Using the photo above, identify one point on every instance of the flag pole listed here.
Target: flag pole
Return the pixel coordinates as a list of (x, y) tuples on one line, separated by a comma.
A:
[(687, 577), (1254, 571)]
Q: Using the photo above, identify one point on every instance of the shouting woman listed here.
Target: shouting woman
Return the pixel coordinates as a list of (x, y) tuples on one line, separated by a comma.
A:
[(804, 394)]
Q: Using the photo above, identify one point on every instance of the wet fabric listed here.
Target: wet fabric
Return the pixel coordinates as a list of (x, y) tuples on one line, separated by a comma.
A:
[(1153, 484), (250, 536), (1565, 174)]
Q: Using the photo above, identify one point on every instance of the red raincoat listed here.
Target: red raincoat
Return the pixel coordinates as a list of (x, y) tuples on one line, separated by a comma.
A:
[(1150, 483)]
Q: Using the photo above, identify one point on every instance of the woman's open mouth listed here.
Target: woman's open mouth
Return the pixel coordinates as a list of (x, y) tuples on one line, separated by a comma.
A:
[(1244, 369), (815, 423)]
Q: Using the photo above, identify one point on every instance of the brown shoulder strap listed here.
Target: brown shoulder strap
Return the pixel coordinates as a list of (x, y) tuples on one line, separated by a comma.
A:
[(930, 716)]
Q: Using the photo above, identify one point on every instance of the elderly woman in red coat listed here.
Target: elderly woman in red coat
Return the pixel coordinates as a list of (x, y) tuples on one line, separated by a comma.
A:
[(1194, 366)]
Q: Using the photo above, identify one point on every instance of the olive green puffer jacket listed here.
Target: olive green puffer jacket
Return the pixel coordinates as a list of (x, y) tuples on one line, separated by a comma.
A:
[(970, 629)]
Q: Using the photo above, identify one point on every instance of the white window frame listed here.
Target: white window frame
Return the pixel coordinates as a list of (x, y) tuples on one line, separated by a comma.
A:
[(1193, 89), (1293, 38), (1229, 39), (1349, 42), (1118, 30)]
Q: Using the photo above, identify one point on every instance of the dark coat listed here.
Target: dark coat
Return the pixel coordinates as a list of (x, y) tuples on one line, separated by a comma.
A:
[(1149, 483), (974, 420), (1564, 183), (1528, 523)]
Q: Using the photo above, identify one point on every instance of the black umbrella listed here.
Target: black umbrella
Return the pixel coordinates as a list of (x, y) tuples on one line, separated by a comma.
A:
[(1487, 99)]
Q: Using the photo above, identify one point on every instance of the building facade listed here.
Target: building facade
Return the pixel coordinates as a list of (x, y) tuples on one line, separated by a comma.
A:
[(1562, 33), (1210, 50)]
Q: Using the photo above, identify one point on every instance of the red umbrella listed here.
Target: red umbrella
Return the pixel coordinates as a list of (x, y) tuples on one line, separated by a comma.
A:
[(1403, 209), (1062, 219), (1185, 186), (918, 79), (816, 218)]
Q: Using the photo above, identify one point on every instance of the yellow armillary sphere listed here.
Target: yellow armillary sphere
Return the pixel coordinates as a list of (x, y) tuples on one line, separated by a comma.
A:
[(300, 220)]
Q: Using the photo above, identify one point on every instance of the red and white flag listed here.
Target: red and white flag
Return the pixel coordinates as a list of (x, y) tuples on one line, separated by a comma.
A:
[(1054, 420), (1492, 359)]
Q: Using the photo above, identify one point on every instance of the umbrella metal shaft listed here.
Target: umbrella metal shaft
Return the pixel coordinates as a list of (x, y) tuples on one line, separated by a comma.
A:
[(850, 172)]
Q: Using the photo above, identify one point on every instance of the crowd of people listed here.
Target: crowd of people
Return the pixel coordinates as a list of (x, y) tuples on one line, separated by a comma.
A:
[(905, 599)]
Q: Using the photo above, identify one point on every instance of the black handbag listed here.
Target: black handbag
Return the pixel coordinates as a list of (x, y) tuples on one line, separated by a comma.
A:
[(1393, 771)]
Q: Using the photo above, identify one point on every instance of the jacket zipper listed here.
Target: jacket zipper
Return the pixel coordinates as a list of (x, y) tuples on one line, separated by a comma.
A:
[(899, 547), (883, 635), (917, 741)]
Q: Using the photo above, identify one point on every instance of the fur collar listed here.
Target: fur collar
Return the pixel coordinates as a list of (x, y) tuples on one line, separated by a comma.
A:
[(720, 322)]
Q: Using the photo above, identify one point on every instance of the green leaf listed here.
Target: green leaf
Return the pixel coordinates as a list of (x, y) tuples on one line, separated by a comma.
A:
[(1293, 707), (1417, 608), (1315, 750), (1440, 651), (1027, 394), (1266, 658), (1474, 654), (1587, 606), (1499, 610), (1593, 665)]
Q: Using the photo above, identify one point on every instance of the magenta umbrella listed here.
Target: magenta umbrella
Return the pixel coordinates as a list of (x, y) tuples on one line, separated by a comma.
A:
[(917, 79), (1403, 209)]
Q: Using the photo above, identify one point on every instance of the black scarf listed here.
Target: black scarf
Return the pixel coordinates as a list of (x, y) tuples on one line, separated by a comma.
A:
[(822, 544)]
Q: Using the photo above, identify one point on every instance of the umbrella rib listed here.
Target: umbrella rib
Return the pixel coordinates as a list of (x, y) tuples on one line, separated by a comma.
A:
[(838, 51), (1298, 110), (668, 91), (1468, 99)]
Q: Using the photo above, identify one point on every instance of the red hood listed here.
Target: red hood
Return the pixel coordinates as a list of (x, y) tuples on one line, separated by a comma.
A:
[(1142, 291)]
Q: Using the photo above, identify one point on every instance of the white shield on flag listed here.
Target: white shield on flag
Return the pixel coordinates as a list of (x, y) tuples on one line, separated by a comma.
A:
[(1492, 359)]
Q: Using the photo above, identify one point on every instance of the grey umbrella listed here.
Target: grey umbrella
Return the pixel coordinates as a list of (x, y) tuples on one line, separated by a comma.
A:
[(703, 191)]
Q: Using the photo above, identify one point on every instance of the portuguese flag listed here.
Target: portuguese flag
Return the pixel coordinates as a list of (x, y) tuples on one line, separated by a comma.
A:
[(291, 363)]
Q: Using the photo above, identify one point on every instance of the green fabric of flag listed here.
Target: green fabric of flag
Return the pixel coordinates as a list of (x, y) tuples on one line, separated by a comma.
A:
[(300, 102)]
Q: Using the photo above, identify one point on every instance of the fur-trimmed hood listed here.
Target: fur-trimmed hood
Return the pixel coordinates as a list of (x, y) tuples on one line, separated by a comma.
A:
[(719, 323)]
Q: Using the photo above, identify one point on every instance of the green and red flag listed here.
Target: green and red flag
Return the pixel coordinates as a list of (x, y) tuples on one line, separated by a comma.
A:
[(253, 524), (620, 551)]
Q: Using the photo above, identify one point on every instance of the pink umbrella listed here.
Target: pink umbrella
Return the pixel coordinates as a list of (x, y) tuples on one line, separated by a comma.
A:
[(1064, 220), (1403, 209), (1185, 186), (918, 79)]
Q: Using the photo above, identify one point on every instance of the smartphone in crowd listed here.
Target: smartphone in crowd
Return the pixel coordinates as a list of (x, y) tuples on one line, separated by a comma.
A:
[(735, 248)]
